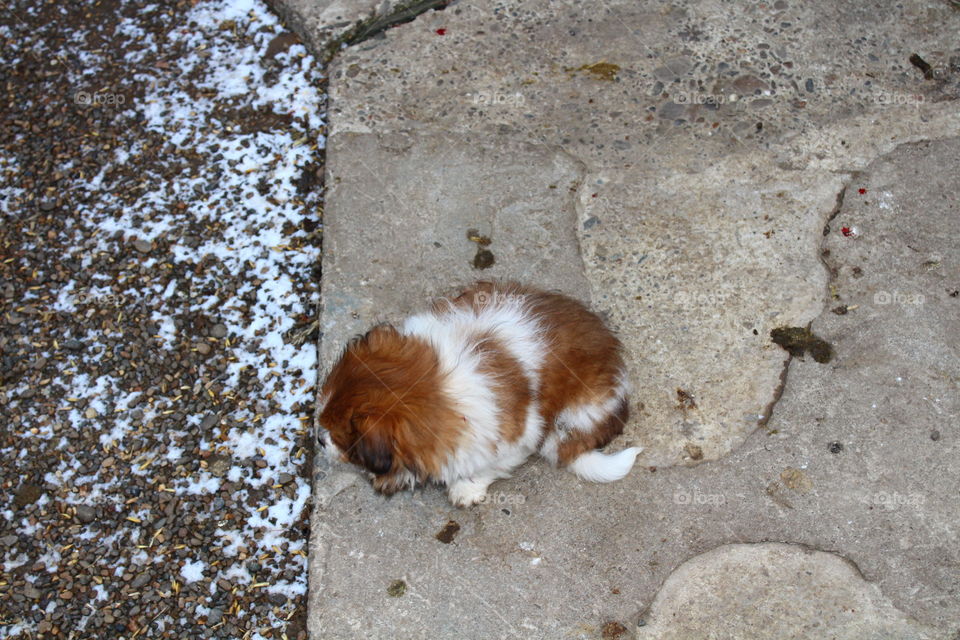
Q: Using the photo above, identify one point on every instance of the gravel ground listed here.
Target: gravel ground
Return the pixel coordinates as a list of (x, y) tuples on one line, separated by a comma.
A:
[(160, 203)]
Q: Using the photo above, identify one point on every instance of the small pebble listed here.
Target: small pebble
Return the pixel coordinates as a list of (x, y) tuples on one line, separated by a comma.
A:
[(86, 513), (140, 580), (215, 616), (72, 345)]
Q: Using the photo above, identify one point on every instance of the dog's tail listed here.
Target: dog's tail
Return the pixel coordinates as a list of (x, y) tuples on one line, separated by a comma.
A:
[(604, 467)]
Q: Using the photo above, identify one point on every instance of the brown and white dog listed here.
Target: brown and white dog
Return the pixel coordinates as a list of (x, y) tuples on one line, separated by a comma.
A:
[(463, 394)]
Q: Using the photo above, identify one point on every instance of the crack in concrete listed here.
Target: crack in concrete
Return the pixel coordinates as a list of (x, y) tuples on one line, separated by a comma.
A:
[(831, 276), (579, 208), (377, 24), (784, 373), (836, 209), (777, 394)]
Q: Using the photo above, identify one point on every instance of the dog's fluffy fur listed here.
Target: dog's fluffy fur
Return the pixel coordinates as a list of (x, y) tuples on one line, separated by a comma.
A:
[(463, 394)]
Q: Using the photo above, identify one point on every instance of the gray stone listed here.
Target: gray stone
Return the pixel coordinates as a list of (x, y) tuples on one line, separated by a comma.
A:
[(140, 580), (785, 591), (31, 591), (219, 464), (215, 616), (672, 110), (86, 513), (673, 69)]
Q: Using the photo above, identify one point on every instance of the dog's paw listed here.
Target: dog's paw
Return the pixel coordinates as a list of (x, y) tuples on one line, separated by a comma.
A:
[(390, 483), (466, 493)]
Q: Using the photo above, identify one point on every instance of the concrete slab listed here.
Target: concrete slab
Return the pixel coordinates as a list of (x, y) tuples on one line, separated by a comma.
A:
[(703, 151), (859, 458)]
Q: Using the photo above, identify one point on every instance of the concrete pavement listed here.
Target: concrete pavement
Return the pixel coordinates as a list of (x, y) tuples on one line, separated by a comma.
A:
[(702, 174)]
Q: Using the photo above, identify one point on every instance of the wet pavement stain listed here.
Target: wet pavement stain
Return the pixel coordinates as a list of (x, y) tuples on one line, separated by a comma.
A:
[(449, 532), (799, 340)]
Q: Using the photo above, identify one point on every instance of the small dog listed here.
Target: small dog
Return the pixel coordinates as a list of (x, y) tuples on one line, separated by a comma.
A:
[(465, 393)]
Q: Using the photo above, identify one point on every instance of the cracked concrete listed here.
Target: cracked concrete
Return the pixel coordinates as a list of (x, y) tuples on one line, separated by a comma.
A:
[(327, 26), (677, 166)]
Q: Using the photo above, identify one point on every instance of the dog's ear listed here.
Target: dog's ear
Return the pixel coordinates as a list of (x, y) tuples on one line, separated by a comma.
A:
[(374, 452), (381, 335)]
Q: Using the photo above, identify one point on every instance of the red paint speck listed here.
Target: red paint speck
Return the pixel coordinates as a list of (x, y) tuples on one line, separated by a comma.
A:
[(861, 191), (846, 231), (441, 32), (594, 196)]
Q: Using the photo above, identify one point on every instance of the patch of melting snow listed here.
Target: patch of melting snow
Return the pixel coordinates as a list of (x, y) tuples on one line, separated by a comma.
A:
[(192, 571)]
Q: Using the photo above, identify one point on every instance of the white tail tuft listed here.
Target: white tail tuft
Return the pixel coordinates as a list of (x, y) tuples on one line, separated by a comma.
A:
[(603, 467)]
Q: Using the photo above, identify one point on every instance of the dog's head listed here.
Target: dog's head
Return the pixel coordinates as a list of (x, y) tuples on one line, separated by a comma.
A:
[(383, 409)]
